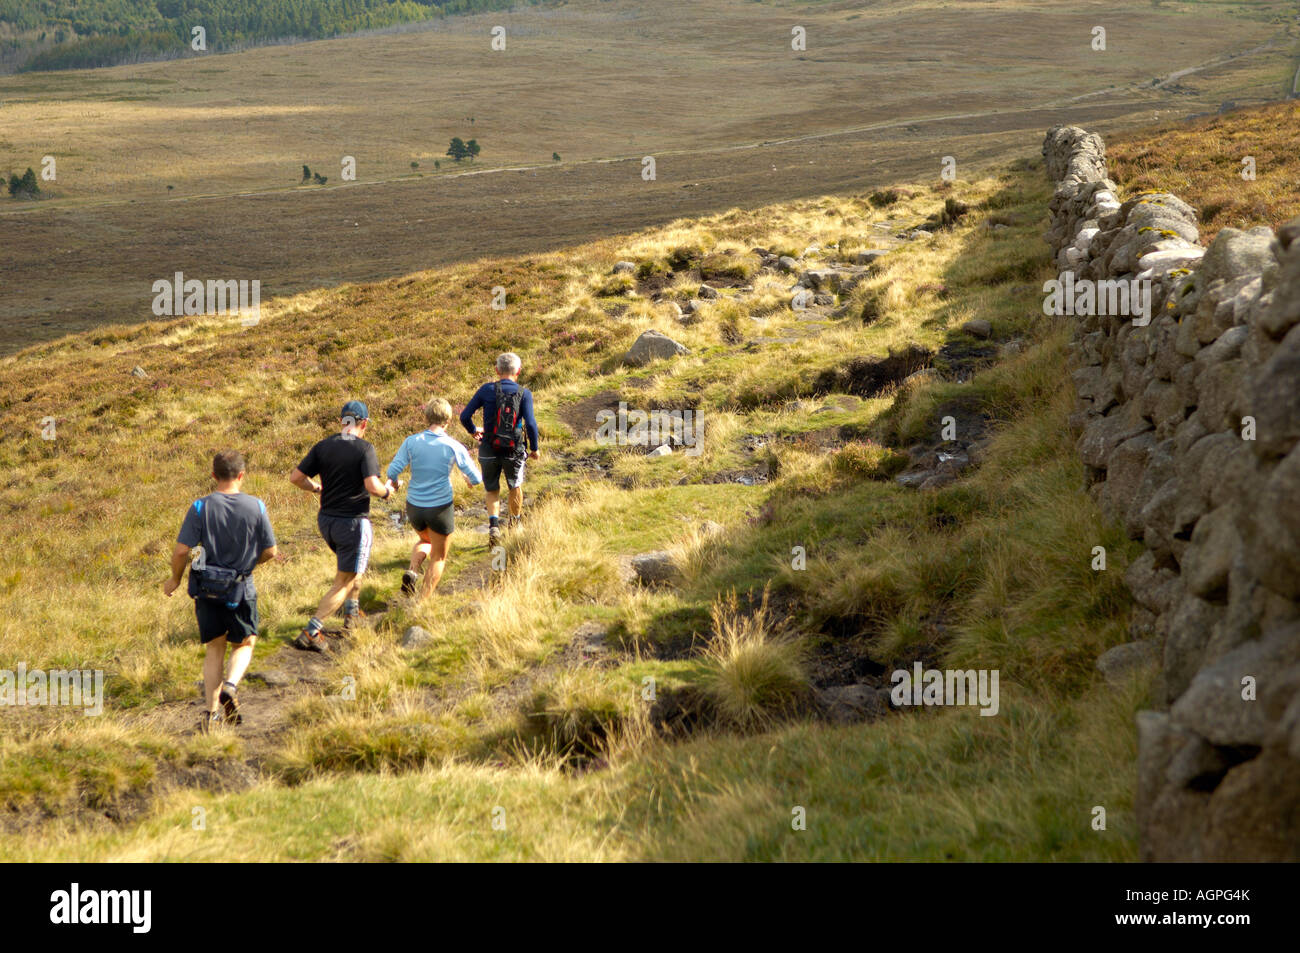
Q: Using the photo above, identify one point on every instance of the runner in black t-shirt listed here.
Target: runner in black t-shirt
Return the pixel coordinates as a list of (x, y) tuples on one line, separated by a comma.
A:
[(349, 476)]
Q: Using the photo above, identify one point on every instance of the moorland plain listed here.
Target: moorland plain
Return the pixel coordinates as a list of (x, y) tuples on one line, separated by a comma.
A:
[(194, 165)]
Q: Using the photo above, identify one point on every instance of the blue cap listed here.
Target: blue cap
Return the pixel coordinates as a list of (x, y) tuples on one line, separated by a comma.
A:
[(356, 410)]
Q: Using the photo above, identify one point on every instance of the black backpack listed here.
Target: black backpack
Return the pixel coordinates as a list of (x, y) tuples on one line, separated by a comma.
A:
[(507, 430)]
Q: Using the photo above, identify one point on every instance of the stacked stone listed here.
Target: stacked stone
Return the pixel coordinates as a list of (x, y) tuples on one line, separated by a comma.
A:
[(1189, 428)]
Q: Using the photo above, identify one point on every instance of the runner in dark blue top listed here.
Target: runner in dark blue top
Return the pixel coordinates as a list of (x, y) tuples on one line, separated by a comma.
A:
[(235, 536), (503, 453)]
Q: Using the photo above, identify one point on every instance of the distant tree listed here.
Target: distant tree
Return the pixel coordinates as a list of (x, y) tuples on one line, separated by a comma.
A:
[(436, 165), (306, 172), (555, 157), (24, 185), (415, 165), (473, 148), (320, 179), (457, 150)]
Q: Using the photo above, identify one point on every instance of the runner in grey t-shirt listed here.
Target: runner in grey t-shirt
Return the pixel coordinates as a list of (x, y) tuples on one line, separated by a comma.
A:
[(235, 534)]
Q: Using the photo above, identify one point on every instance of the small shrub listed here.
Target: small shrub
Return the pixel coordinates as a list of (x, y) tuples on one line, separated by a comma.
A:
[(684, 256), (615, 285), (653, 268), (24, 186), (868, 461), (726, 266)]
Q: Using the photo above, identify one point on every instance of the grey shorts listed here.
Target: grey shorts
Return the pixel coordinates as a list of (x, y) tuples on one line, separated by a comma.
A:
[(439, 519), (350, 537), (495, 467)]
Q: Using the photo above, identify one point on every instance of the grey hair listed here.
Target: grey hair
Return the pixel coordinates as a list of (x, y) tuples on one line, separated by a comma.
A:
[(509, 363)]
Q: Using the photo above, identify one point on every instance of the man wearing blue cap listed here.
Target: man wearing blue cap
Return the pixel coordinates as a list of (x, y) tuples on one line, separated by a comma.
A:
[(349, 475)]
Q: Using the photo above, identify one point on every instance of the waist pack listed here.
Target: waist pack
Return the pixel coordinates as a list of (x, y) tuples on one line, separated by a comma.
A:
[(219, 585), (213, 582)]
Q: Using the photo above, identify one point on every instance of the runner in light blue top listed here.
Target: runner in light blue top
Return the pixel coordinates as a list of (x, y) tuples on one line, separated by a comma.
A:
[(431, 455)]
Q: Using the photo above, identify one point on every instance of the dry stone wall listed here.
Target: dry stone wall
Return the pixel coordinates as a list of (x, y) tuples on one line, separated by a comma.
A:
[(1189, 428)]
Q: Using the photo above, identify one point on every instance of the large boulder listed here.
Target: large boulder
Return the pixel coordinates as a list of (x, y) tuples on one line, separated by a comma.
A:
[(1272, 530), (1273, 399), (416, 637), (1234, 253), (652, 346), (655, 569), (1239, 699), (849, 703)]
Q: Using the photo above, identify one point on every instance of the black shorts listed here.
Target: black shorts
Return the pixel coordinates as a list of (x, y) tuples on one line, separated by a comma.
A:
[(350, 537), (216, 620), (494, 467), (440, 519)]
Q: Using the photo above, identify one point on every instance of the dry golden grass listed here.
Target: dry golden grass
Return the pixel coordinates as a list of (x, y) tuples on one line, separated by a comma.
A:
[(1201, 162)]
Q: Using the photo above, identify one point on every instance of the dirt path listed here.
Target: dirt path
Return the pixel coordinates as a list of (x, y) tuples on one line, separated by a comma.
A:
[(277, 680)]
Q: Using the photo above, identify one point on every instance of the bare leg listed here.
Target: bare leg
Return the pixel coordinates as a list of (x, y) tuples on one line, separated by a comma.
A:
[(212, 661), (439, 545), (240, 657), (419, 554), (494, 502), (516, 500), (344, 583)]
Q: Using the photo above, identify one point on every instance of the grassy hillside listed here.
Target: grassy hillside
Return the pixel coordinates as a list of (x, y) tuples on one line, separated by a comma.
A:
[(1202, 162), (532, 696)]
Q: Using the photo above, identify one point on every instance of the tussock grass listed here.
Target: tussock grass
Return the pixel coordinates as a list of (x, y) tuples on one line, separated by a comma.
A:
[(332, 738), (752, 671), (69, 769), (580, 714)]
